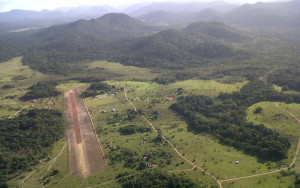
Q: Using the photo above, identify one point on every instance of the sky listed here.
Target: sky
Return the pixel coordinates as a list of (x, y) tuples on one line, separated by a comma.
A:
[(7, 5)]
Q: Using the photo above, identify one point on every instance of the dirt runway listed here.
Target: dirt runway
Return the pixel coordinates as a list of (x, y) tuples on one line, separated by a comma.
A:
[(85, 156)]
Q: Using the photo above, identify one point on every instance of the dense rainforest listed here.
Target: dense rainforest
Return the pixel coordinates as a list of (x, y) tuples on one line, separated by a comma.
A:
[(224, 117), (26, 139), (118, 37)]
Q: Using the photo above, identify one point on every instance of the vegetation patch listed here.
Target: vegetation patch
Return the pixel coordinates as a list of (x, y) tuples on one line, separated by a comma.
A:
[(99, 88), (41, 90), (132, 129), (224, 117), (157, 178), (286, 78), (27, 138)]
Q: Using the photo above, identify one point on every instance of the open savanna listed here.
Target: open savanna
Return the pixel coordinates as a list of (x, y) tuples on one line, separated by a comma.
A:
[(275, 180), (128, 72), (20, 77), (202, 149), (111, 138)]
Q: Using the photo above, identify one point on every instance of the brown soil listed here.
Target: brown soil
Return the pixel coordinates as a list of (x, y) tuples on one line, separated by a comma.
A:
[(85, 155)]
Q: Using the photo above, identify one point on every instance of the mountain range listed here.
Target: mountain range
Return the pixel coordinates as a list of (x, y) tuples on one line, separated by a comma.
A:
[(172, 15), (121, 38)]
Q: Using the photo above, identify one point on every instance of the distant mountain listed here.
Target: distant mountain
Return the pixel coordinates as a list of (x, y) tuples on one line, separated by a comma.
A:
[(135, 7), (20, 19), (208, 15), (180, 19), (280, 14), (115, 37), (216, 30), (185, 7), (111, 26)]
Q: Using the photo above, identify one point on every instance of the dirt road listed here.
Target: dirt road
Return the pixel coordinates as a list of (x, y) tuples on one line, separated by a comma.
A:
[(85, 155)]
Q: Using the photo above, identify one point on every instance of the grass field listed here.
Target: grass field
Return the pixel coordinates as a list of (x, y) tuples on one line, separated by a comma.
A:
[(128, 72), (276, 180), (71, 85), (206, 87)]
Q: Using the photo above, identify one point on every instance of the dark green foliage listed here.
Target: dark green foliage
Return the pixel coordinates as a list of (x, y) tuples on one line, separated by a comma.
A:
[(133, 160), (297, 180), (170, 49), (3, 185), (163, 80), (287, 78), (128, 116), (7, 86), (97, 88), (154, 115), (225, 118), (132, 129), (251, 73), (158, 179), (41, 90), (8, 51), (19, 77), (258, 110), (121, 154), (27, 138), (158, 139)]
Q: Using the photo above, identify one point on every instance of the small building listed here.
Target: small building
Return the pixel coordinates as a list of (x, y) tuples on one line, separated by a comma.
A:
[(237, 162)]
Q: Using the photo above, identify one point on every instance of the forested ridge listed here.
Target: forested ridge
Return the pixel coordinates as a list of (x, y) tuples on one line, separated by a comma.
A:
[(26, 139), (224, 117), (63, 49)]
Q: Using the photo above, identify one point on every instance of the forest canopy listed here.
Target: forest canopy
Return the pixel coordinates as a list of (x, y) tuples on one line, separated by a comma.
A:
[(27, 138)]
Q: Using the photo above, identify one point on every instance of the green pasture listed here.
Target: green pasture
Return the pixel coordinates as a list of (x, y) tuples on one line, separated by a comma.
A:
[(274, 180), (206, 87), (128, 72)]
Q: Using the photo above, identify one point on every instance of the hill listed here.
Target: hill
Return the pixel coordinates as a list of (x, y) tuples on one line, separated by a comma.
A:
[(171, 49), (54, 49), (116, 37), (185, 7), (109, 26), (217, 30), (179, 19), (281, 14), (20, 19)]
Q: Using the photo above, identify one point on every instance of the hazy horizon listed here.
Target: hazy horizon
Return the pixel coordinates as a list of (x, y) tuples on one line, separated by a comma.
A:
[(7, 5)]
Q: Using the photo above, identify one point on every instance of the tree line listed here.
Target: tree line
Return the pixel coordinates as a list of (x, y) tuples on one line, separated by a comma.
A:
[(224, 117)]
